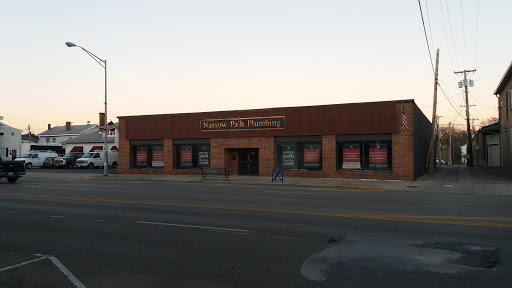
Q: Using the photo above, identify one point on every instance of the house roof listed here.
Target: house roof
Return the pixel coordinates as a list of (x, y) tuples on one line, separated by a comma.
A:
[(32, 137), (61, 130), (493, 128), (504, 80), (5, 125), (93, 137)]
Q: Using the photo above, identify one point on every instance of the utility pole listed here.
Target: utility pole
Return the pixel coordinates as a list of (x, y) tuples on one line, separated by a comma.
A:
[(433, 132), (438, 152), (470, 146), (450, 160)]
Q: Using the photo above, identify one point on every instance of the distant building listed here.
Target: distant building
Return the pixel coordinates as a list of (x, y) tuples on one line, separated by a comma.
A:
[(94, 140), (486, 146), (54, 136), (504, 94), (10, 141), (464, 154)]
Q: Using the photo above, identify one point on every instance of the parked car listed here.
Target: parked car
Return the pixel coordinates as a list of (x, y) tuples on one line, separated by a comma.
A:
[(96, 159), (12, 170), (36, 158), (68, 160), (49, 162)]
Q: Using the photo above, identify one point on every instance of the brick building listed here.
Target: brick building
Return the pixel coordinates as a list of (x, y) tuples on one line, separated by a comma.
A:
[(358, 140)]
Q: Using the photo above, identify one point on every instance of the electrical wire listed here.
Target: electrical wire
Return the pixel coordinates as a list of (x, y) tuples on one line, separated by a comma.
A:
[(451, 32), (477, 10), (441, 100), (463, 32), (446, 37), (429, 28), (426, 38), (449, 100), (480, 102)]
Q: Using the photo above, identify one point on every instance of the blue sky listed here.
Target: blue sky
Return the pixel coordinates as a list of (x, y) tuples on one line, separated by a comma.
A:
[(194, 56)]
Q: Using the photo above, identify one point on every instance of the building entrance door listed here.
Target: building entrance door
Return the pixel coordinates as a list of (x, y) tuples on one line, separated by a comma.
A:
[(248, 161)]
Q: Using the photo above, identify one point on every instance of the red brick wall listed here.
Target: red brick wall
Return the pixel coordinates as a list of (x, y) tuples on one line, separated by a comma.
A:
[(403, 145), (222, 151), (219, 147)]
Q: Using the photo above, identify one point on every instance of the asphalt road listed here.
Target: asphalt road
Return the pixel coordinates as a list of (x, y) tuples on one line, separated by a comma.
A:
[(106, 233)]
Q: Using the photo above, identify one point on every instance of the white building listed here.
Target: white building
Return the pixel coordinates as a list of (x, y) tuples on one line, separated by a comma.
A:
[(10, 141), (93, 141), (54, 136), (464, 153)]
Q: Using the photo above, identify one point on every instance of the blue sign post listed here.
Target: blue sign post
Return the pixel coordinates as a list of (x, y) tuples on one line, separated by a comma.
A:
[(277, 172)]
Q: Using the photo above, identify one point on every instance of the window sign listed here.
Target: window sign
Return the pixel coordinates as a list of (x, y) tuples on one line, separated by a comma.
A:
[(158, 157), (351, 156), (186, 156), (204, 156), (311, 155), (142, 156), (378, 156), (289, 156)]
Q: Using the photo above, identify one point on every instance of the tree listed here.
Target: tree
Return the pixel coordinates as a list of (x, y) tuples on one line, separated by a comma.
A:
[(488, 121), (459, 138)]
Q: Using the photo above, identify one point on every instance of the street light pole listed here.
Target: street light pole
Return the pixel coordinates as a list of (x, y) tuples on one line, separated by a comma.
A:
[(103, 63)]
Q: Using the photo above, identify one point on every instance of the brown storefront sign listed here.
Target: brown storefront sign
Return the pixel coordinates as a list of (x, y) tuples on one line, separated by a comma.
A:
[(236, 124)]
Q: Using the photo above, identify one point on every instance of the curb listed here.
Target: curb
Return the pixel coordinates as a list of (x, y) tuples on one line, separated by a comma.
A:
[(354, 187)]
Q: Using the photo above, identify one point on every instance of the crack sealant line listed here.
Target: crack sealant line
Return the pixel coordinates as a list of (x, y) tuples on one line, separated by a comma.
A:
[(195, 226)]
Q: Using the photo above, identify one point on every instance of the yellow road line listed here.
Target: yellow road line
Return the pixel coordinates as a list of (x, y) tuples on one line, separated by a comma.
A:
[(400, 218)]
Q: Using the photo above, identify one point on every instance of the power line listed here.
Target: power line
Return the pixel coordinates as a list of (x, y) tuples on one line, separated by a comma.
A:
[(429, 28), (443, 100), (477, 8), (451, 32), (446, 35), (442, 90), (463, 32), (426, 38), (481, 103)]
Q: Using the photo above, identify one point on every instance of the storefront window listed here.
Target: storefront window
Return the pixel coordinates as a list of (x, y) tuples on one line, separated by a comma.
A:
[(147, 154), (191, 154), (364, 152), (299, 153)]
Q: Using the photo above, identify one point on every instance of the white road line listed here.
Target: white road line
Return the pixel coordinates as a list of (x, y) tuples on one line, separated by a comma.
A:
[(13, 212), (220, 185), (23, 263), (300, 193), (56, 216), (66, 272), (318, 189), (193, 226)]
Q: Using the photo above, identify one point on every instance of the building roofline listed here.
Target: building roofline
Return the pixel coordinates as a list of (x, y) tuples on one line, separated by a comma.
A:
[(271, 109), (504, 79)]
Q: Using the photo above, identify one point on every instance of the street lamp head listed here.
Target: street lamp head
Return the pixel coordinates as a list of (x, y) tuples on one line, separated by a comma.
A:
[(70, 44)]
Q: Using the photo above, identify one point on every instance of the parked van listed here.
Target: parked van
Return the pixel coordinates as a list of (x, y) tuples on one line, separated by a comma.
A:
[(35, 158), (95, 159)]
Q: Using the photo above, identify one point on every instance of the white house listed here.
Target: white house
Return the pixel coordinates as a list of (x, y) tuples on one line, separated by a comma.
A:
[(464, 153), (94, 140), (54, 136), (10, 141)]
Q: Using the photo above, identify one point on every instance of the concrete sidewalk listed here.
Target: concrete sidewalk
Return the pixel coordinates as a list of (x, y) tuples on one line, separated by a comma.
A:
[(447, 179)]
